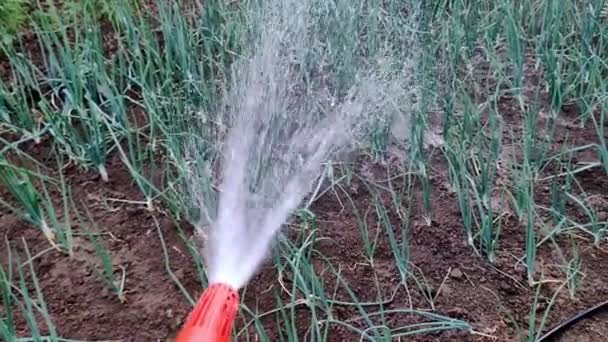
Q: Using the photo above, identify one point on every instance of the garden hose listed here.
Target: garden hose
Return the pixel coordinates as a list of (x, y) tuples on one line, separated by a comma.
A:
[(213, 315), (571, 321)]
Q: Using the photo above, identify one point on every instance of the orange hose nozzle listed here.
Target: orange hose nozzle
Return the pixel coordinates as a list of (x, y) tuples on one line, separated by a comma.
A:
[(212, 318)]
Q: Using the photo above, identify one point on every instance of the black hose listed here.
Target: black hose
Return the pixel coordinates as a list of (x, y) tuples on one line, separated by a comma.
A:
[(573, 320)]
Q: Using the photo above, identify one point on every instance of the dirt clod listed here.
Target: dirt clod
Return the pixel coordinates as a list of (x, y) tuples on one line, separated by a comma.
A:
[(456, 274)]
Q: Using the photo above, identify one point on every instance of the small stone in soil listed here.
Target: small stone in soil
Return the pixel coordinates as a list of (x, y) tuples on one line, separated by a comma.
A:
[(456, 273), (179, 273), (446, 290)]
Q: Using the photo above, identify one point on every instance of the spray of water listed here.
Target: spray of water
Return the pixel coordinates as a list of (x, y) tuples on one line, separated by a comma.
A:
[(281, 131)]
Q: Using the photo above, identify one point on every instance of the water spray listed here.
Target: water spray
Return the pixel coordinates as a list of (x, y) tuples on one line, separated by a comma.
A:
[(281, 132)]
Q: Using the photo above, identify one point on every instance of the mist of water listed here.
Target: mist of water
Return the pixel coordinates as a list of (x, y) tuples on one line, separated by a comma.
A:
[(281, 131)]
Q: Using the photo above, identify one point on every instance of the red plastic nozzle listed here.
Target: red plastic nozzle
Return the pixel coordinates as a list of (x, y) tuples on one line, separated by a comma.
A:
[(212, 318)]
